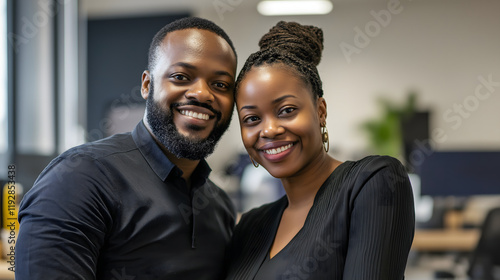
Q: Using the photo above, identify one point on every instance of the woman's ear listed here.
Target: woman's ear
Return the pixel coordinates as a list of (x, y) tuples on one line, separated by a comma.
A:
[(145, 84), (321, 103)]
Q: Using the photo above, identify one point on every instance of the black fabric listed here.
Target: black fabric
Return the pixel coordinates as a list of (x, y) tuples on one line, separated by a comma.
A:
[(269, 267), (486, 256), (118, 209), (360, 226)]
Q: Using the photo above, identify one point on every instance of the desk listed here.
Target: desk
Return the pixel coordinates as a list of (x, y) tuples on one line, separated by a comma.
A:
[(446, 240)]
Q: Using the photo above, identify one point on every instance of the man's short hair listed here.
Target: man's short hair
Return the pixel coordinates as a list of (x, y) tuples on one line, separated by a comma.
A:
[(183, 23)]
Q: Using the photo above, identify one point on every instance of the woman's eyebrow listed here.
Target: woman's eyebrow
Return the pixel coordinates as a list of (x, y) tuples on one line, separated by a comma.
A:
[(277, 100), (248, 107), (281, 98)]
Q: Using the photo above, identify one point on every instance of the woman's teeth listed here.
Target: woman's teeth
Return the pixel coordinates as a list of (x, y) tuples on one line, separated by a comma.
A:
[(278, 150)]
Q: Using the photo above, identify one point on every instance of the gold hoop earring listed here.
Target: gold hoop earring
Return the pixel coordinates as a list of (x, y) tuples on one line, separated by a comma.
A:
[(324, 137), (254, 164)]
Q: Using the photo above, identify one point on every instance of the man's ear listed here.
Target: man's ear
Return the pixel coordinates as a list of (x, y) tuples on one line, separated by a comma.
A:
[(145, 84), (321, 102)]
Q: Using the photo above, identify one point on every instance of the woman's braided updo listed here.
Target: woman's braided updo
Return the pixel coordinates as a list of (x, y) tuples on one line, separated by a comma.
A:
[(293, 45)]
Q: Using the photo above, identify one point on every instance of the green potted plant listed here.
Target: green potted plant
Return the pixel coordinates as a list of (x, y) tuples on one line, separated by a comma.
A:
[(385, 133)]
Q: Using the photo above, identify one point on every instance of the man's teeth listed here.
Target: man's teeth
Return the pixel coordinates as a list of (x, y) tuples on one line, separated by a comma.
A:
[(195, 115), (278, 150)]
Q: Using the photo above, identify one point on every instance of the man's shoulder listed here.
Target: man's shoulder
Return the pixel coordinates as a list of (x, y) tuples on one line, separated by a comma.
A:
[(90, 157), (115, 144), (82, 171)]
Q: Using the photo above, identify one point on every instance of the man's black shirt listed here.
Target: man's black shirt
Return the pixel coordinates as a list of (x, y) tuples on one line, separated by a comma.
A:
[(118, 209)]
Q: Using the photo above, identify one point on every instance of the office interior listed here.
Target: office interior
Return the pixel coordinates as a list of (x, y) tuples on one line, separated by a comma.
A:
[(415, 79)]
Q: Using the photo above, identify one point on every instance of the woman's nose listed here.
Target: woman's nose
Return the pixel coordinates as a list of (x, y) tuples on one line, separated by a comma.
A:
[(271, 129)]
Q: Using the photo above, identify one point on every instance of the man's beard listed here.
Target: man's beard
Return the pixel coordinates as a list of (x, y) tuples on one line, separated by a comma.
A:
[(163, 128)]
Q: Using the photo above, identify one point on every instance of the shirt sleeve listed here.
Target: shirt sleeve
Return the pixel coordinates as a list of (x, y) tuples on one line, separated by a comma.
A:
[(64, 219), (382, 223)]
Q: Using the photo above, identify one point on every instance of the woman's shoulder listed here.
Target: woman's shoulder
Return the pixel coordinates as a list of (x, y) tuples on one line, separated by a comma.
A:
[(379, 169), (370, 165), (376, 162), (263, 213)]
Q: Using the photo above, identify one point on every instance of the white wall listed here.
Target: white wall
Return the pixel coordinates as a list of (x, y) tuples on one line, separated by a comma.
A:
[(438, 48)]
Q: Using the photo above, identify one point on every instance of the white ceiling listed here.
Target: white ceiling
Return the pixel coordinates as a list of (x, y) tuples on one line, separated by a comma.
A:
[(118, 8), (110, 8)]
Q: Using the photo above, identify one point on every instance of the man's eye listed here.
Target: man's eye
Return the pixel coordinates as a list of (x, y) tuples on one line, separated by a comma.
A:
[(221, 85), (179, 77)]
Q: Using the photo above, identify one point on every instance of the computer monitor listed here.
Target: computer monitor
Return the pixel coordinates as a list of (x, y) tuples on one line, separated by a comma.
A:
[(460, 173)]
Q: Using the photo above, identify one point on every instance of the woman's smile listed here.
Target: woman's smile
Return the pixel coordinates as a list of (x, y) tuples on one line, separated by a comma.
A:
[(279, 153)]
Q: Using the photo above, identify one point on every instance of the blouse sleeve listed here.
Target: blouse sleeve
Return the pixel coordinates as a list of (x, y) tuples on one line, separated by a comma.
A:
[(382, 222)]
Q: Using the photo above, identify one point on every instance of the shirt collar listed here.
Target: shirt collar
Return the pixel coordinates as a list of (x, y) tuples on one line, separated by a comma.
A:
[(157, 160)]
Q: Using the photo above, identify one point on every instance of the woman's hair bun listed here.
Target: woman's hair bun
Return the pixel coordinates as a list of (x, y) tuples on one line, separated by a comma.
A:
[(303, 41)]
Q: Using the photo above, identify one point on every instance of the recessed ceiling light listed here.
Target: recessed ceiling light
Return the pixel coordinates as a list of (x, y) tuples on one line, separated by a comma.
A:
[(294, 7)]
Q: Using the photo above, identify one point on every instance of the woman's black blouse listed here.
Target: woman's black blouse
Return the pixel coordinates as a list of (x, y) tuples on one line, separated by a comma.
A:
[(360, 226)]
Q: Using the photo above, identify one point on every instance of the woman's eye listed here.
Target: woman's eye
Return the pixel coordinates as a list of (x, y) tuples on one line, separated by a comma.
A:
[(251, 119), (287, 110)]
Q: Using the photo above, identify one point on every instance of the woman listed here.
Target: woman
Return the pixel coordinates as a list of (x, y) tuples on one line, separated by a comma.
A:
[(350, 220)]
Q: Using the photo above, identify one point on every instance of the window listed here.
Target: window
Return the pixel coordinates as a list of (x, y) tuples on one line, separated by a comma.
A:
[(4, 132)]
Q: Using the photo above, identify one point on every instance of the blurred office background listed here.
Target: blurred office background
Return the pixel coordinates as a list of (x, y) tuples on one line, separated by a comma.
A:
[(415, 79)]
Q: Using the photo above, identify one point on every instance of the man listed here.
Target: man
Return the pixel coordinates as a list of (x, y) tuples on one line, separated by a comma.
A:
[(139, 205)]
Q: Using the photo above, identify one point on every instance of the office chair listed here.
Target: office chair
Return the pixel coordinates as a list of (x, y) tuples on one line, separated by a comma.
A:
[(487, 253)]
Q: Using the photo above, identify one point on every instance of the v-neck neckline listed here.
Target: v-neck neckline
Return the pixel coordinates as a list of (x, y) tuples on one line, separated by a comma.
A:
[(285, 205)]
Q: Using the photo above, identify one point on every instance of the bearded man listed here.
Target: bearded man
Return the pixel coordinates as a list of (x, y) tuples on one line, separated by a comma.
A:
[(139, 205)]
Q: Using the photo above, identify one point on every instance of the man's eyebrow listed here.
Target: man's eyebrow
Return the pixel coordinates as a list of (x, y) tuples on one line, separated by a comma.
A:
[(191, 66), (224, 73), (184, 64)]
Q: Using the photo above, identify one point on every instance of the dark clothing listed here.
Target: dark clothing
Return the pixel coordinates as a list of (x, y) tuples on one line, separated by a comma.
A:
[(119, 209), (360, 226)]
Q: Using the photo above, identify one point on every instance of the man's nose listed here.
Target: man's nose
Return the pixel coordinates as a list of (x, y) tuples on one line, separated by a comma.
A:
[(200, 91)]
